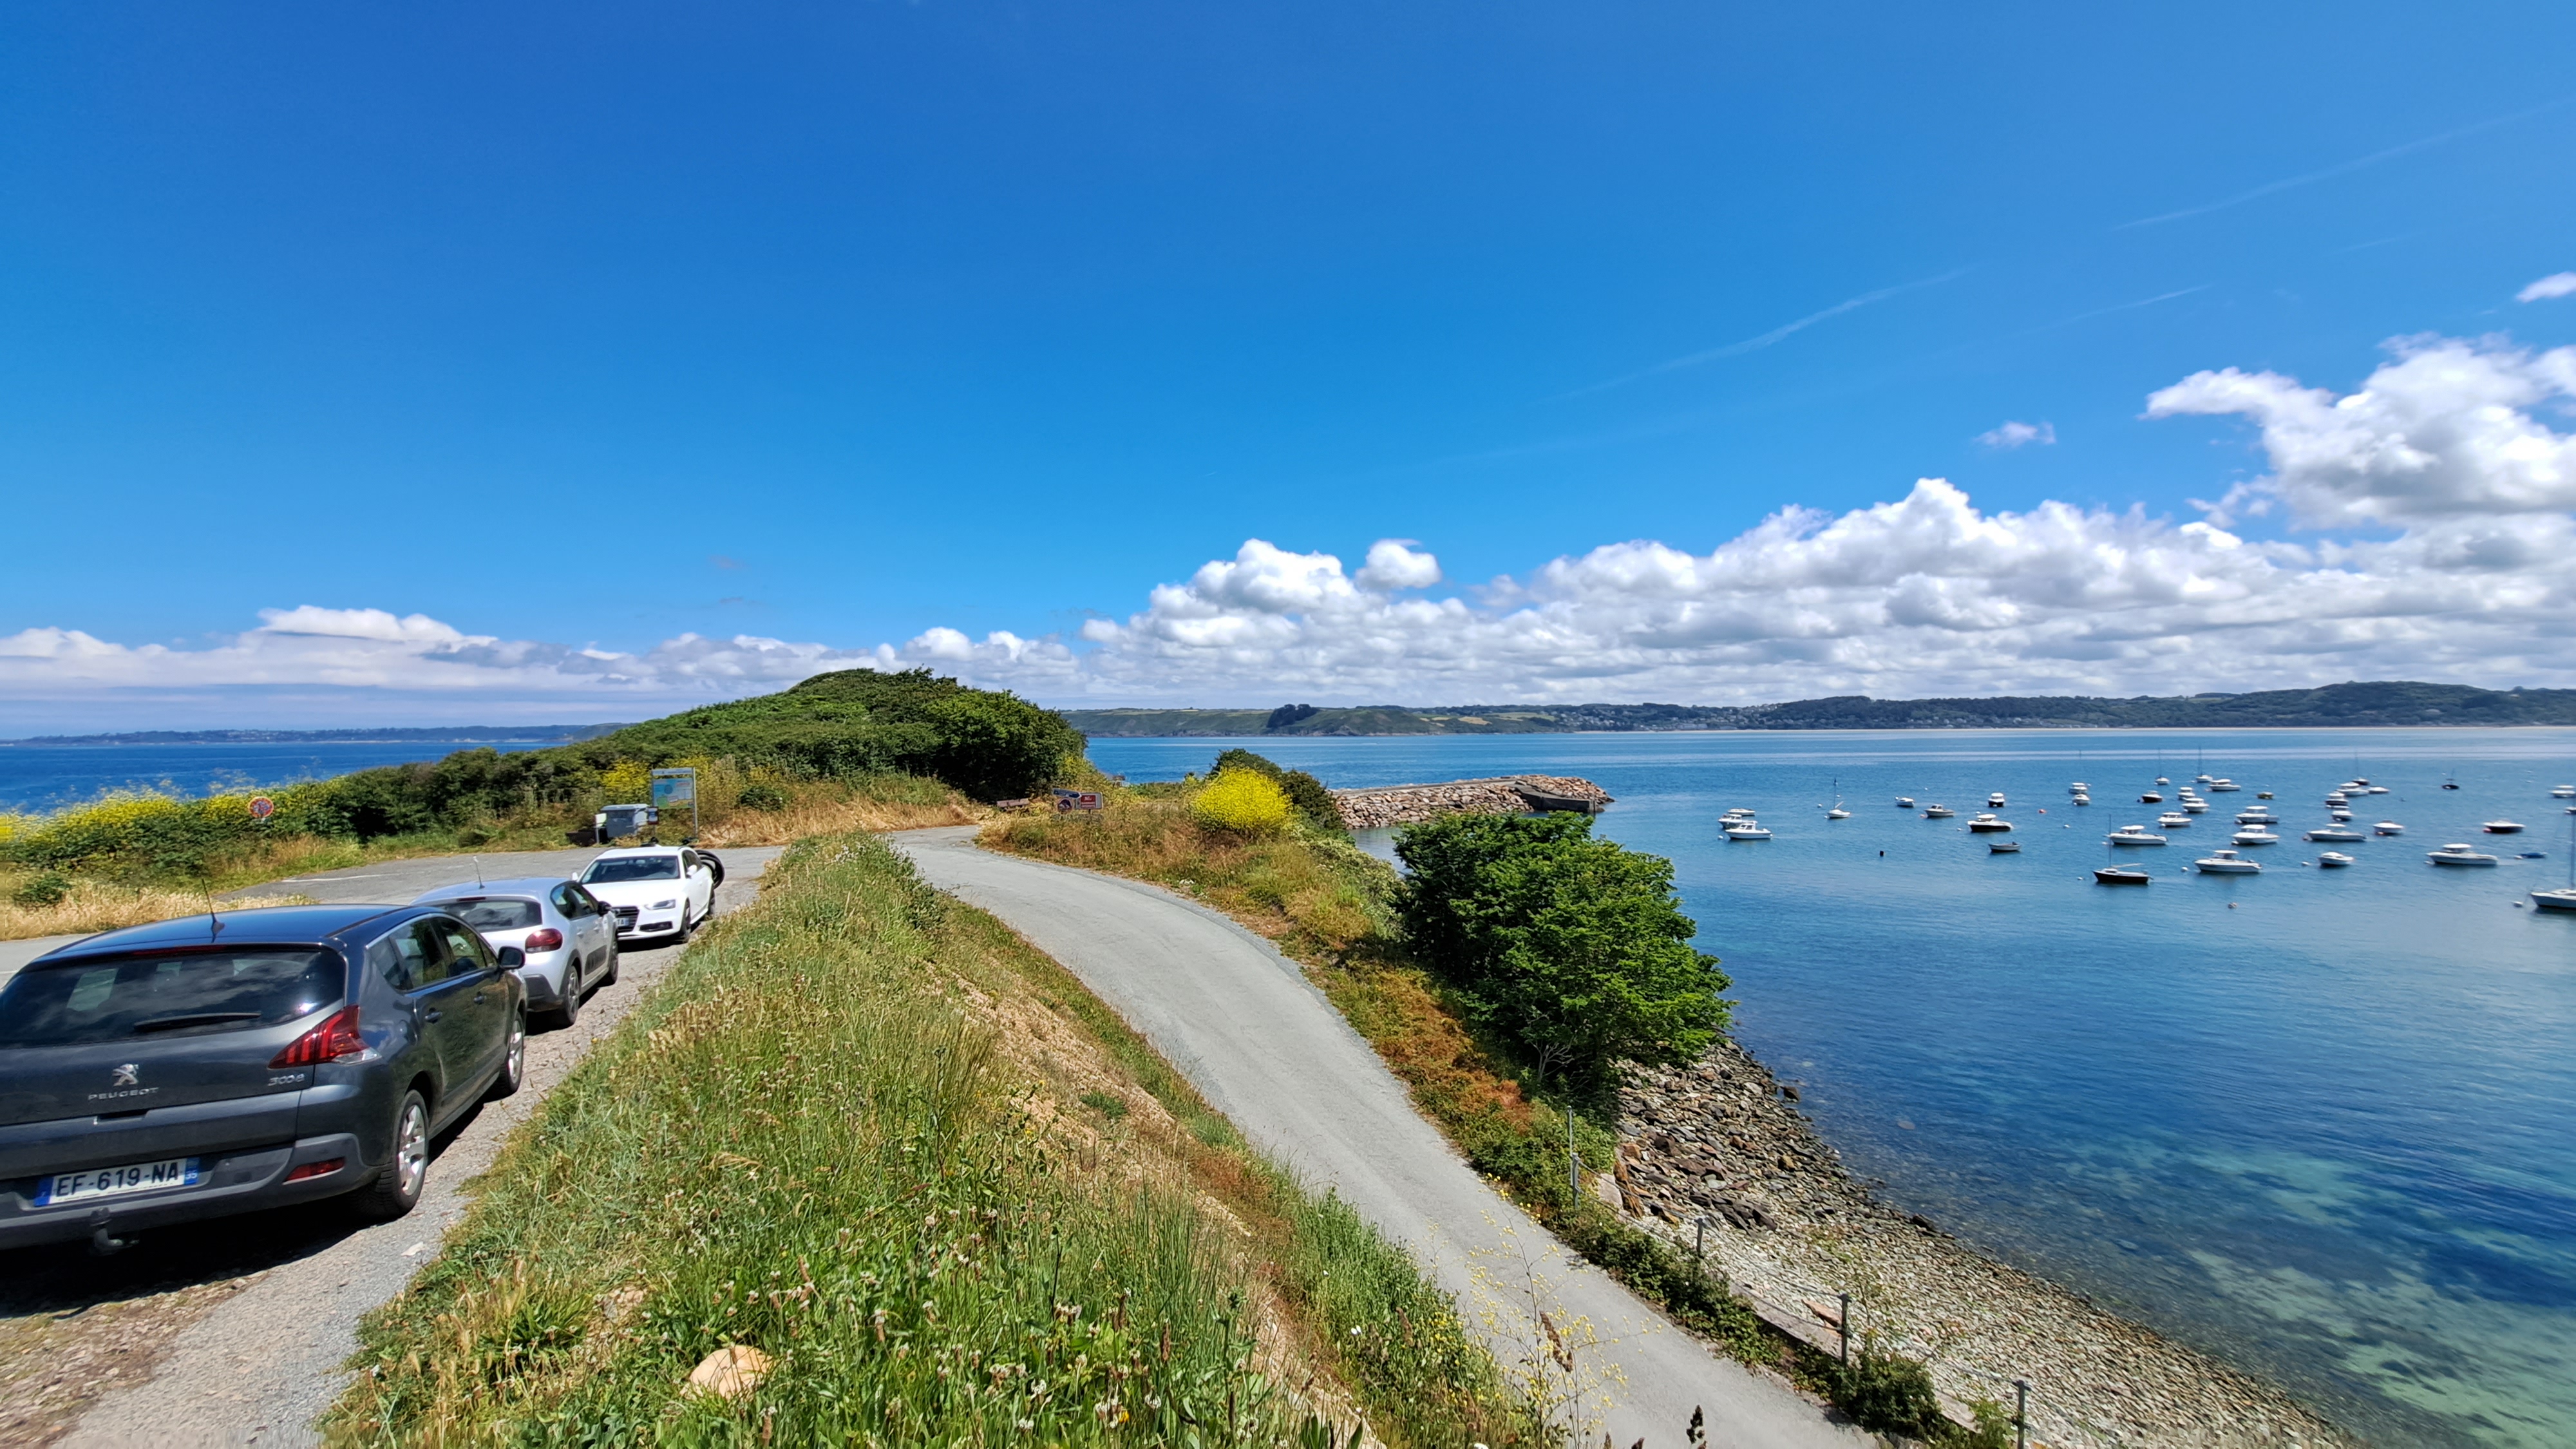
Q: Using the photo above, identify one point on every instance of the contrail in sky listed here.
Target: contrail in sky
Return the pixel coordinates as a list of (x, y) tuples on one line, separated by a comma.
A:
[(2373, 159), (1756, 344)]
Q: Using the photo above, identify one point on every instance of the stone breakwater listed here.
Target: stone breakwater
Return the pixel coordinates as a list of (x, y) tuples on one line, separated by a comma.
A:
[(1790, 1228), (1502, 795)]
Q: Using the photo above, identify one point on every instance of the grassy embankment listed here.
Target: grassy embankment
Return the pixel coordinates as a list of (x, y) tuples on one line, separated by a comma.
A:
[(874, 1135), (853, 750), (1330, 905)]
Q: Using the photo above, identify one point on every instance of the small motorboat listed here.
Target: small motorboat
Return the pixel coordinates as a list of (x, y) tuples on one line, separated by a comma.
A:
[(1738, 813), (2449, 784), (2203, 778), (2195, 807), (2257, 816), (2003, 847), (1983, 824), (2531, 855), (2120, 875), (2223, 783), (1746, 829), (2080, 800), (2080, 788), (2378, 789), (1904, 802), (2563, 898), (2262, 794), (2562, 792), (2227, 862), (1995, 801), (2133, 835), (2151, 798), (2337, 797), (2255, 835), (2502, 827), (1939, 812), (2161, 780), (2333, 859), (2340, 835), (2173, 820), (2340, 813), (2459, 854), (1837, 813), (2388, 827)]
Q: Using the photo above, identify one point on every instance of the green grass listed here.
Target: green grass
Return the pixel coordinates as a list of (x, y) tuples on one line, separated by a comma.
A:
[(829, 1134)]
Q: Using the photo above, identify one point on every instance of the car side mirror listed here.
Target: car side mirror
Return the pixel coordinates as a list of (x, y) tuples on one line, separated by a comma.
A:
[(512, 958)]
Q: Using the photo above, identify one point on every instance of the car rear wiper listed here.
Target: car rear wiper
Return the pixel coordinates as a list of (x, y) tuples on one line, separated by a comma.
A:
[(201, 1018)]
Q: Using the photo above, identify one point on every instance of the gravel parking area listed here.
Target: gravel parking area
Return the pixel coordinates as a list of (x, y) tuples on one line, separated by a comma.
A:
[(233, 1331)]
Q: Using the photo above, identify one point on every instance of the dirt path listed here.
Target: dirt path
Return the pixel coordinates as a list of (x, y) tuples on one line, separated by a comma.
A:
[(1242, 1022), (232, 1332)]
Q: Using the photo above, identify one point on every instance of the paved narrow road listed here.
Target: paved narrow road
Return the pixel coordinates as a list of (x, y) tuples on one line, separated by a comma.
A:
[(1265, 1047), (259, 1366)]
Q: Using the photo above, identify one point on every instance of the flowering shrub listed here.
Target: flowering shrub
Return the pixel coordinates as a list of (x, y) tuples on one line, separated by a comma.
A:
[(628, 782), (1244, 801)]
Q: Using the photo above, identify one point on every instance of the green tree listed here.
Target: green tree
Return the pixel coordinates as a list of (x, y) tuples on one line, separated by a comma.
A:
[(1572, 949)]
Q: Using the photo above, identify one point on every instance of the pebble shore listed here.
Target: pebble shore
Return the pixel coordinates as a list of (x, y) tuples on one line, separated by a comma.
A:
[(1791, 1228), (1385, 805)]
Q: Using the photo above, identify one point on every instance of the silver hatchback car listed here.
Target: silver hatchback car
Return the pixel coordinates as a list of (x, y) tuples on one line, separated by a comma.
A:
[(568, 938)]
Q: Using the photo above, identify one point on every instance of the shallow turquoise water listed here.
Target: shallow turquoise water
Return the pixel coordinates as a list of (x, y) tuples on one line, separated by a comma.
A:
[(2328, 1134)]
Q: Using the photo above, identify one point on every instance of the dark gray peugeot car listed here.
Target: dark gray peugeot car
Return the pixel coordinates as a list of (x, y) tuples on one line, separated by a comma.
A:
[(221, 1064)]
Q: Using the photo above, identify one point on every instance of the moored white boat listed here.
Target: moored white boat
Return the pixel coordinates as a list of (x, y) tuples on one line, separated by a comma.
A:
[(2562, 898), (2340, 813), (2257, 816), (2562, 792), (1984, 824), (2337, 797), (2120, 875), (2151, 798), (2336, 833), (2080, 800), (1995, 801), (2227, 862), (1838, 813), (2080, 788), (2459, 853), (1746, 830), (2388, 827), (2223, 783), (2173, 820), (2333, 859), (2133, 835), (2502, 827), (1904, 802), (2195, 807), (2003, 847), (1938, 812), (2255, 835)]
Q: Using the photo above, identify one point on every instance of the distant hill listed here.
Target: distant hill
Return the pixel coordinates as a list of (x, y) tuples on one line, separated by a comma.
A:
[(453, 734), (2379, 704)]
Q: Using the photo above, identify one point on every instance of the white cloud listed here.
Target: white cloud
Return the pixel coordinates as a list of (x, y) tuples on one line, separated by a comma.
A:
[(2017, 435), (2445, 455), (2444, 430), (2556, 284)]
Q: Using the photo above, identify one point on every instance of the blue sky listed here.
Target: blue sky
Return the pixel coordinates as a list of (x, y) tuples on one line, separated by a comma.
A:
[(834, 325)]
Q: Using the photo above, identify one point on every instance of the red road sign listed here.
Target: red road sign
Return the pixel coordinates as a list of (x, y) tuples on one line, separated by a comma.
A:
[(262, 807)]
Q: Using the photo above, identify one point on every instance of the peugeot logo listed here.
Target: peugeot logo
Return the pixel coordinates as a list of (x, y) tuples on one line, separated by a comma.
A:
[(125, 1077)]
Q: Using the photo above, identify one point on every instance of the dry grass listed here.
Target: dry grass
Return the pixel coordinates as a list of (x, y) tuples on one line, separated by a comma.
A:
[(832, 807), (91, 906)]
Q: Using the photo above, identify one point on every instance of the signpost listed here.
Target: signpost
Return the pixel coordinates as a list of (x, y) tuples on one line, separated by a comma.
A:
[(1068, 801), (262, 807), (678, 786)]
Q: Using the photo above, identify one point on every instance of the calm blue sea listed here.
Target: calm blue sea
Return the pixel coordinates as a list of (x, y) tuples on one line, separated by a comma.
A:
[(2321, 1124), (48, 777)]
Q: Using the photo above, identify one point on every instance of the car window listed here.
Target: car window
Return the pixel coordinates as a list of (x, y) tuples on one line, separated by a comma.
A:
[(412, 957), (496, 913), (152, 998), (610, 870), (466, 952)]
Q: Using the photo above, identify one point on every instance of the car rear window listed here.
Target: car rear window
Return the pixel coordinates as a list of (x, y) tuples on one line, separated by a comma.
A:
[(131, 998), (613, 869), (494, 913)]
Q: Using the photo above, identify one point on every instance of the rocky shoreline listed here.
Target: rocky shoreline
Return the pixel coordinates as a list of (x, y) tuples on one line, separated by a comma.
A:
[(1384, 805), (1722, 1140)]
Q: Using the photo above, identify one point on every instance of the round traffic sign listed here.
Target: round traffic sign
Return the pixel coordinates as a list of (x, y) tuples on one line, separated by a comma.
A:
[(262, 807)]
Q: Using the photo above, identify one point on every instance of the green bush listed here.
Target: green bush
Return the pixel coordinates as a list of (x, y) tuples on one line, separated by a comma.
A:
[(48, 889), (762, 796), (1305, 792), (1886, 1394), (1573, 950)]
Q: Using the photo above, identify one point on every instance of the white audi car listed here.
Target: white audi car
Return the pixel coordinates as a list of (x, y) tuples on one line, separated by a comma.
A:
[(656, 890)]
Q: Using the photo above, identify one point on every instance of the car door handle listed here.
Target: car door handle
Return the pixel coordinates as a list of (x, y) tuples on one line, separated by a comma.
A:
[(431, 1015), (478, 998)]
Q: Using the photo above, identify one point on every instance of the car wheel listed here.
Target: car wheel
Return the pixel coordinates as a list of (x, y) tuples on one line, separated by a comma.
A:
[(514, 1058), (609, 976), (688, 927), (396, 1190), (570, 1011)]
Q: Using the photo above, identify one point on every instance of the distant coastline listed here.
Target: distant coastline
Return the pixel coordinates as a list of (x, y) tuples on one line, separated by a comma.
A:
[(2388, 704), (456, 735)]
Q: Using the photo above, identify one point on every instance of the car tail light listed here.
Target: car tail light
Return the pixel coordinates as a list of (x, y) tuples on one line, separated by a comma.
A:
[(334, 1039), (544, 938), (317, 1169)]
